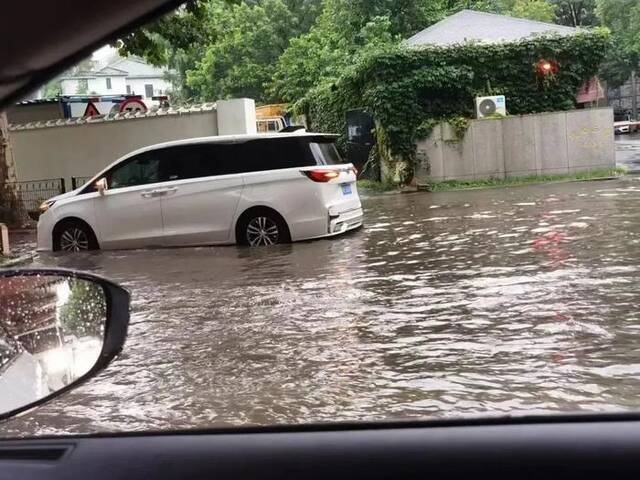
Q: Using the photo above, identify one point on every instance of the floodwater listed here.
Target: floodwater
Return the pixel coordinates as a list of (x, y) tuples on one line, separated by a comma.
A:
[(491, 301), (628, 152)]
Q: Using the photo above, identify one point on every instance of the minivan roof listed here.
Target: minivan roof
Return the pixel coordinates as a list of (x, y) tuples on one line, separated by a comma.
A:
[(245, 137), (217, 139), (237, 138)]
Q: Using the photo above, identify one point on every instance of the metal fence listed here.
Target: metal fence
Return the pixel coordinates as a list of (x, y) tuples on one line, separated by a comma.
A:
[(78, 182), (19, 200)]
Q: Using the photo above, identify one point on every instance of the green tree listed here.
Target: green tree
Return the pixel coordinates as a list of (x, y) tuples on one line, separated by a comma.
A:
[(176, 40), (492, 6), (345, 31), (82, 87), (576, 13), (539, 10), (52, 89), (250, 39), (182, 40), (622, 17), (85, 311)]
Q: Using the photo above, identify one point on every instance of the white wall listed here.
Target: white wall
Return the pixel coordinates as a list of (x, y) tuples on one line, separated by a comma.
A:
[(82, 149), (520, 145), (236, 116), (137, 86), (69, 87), (99, 86), (96, 85)]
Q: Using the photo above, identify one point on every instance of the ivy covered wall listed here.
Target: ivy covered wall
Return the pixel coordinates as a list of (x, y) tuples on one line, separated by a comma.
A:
[(409, 90)]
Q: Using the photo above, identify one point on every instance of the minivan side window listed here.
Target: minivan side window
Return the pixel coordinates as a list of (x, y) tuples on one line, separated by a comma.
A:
[(198, 160), (141, 170), (274, 154), (326, 153)]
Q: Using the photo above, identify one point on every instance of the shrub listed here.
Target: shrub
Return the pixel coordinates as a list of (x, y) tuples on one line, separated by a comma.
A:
[(409, 90)]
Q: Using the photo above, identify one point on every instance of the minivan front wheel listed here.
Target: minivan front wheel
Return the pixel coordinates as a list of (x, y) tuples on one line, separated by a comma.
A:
[(73, 236), (262, 228)]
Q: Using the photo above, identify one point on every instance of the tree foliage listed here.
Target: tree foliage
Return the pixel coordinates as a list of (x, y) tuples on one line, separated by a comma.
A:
[(576, 13), (85, 311), (176, 41), (345, 31), (280, 50), (52, 89), (622, 17), (207, 42), (540, 10), (251, 38)]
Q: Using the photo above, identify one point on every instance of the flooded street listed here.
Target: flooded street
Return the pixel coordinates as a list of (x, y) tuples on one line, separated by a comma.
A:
[(487, 301), (628, 152)]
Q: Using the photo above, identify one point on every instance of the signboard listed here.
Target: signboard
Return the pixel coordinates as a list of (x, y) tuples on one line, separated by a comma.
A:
[(132, 105), (91, 110), (591, 91)]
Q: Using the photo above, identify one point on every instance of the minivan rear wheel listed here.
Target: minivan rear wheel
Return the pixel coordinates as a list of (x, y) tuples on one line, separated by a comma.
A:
[(262, 228), (74, 236)]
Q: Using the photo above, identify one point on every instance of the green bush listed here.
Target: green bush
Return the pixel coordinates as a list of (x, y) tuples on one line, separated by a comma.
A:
[(409, 90)]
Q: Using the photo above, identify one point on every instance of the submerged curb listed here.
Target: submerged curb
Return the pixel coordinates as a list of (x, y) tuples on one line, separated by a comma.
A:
[(15, 262), (422, 188)]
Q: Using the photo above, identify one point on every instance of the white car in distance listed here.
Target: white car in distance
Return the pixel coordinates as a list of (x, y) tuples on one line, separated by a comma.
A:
[(248, 189)]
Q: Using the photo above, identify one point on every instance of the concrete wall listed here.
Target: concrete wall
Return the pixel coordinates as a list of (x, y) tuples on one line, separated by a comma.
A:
[(548, 143), (237, 115), (34, 112), (83, 148)]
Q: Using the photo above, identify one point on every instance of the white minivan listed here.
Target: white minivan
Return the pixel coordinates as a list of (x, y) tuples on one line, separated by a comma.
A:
[(248, 189)]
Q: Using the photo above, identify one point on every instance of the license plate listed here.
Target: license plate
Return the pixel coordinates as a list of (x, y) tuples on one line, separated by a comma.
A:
[(346, 189)]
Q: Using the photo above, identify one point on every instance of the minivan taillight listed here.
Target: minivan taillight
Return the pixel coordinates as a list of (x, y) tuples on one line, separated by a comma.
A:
[(322, 175)]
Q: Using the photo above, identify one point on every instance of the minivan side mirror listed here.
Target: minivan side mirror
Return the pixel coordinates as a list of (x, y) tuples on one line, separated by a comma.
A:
[(102, 185), (58, 328)]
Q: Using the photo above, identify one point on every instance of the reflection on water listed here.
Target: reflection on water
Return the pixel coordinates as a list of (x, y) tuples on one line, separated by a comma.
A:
[(51, 334), (449, 304)]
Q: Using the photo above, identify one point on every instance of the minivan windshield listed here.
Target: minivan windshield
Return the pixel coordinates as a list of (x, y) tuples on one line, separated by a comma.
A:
[(477, 251)]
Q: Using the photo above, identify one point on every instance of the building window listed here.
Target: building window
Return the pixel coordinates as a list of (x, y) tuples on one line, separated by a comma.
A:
[(108, 83), (128, 89), (148, 90)]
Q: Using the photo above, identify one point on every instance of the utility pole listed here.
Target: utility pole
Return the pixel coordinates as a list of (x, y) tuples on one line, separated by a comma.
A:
[(6, 155), (9, 200), (634, 96)]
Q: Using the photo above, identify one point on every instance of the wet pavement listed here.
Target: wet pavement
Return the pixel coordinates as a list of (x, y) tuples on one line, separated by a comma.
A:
[(628, 152), (460, 303)]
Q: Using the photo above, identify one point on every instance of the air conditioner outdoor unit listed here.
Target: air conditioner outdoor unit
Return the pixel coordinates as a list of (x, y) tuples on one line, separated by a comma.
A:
[(488, 106)]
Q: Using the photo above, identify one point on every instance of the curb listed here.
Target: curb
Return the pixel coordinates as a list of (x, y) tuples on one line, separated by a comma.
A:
[(14, 262), (551, 182)]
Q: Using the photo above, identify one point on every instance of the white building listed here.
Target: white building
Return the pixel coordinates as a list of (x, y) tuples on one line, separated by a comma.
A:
[(130, 75)]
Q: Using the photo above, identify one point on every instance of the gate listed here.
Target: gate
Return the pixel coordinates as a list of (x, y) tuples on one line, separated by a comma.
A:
[(22, 199), (77, 182), (360, 141)]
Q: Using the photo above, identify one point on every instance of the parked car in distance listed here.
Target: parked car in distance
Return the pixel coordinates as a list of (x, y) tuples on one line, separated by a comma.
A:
[(248, 189)]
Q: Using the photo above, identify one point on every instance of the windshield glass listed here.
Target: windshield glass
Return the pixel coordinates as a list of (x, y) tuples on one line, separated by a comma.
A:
[(464, 242)]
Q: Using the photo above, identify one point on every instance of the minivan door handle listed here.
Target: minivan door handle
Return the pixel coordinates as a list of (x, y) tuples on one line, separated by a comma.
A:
[(165, 191), (158, 192)]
